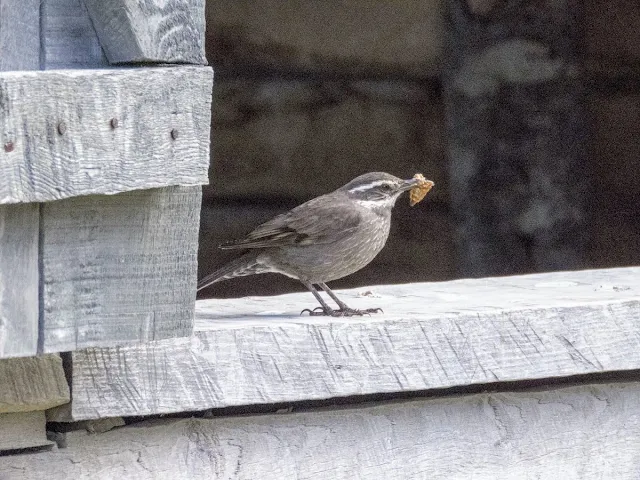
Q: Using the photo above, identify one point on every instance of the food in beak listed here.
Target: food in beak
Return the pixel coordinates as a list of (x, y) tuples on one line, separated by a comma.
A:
[(417, 193)]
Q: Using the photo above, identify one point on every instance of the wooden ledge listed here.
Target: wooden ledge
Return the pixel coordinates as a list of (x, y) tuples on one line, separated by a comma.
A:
[(432, 335)]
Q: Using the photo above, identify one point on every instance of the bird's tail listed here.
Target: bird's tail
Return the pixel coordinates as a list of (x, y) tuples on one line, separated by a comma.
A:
[(247, 264)]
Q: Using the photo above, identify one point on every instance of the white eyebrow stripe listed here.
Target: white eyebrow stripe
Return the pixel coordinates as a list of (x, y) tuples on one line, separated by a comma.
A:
[(377, 183)]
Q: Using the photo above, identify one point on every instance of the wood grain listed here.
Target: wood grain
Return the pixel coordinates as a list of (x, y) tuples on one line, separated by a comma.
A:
[(578, 433), (22, 430), (68, 37), (65, 143), (258, 350), (166, 31), (34, 383), (119, 269), (18, 280)]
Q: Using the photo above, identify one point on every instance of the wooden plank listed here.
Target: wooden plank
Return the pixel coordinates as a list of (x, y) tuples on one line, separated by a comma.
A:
[(68, 37), (19, 35), (18, 280), (258, 350), (519, 187), (22, 430), (19, 50), (581, 432), (119, 269), (34, 383), (64, 144), (154, 31)]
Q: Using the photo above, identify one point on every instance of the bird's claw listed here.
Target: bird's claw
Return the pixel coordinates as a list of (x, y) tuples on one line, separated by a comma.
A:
[(314, 313), (343, 312), (350, 312)]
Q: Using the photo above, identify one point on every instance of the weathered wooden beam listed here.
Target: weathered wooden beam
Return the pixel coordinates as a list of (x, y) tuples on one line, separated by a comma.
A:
[(517, 135), (34, 383), (580, 432), (81, 132), (18, 280), (22, 430), (119, 269), (68, 37), (154, 31), (259, 350)]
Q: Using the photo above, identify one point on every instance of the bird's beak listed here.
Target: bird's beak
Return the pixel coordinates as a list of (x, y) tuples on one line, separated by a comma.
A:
[(409, 184)]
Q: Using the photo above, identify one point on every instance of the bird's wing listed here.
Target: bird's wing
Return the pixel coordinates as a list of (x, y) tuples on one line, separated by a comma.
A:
[(314, 222)]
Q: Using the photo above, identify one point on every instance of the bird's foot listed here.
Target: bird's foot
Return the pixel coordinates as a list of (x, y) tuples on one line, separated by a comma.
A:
[(318, 311), (343, 312), (350, 312)]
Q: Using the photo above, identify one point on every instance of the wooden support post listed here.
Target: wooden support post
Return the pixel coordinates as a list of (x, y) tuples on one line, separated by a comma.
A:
[(516, 119), (119, 269), (19, 50)]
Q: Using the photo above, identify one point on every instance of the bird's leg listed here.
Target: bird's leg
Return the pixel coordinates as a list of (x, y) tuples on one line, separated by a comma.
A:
[(344, 308), (324, 310)]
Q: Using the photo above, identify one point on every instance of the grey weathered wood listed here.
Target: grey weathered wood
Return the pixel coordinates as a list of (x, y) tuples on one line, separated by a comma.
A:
[(19, 50), (18, 280), (22, 430), (64, 140), (577, 433), (153, 31), (68, 37), (19, 35), (517, 139), (119, 269), (258, 350), (34, 383)]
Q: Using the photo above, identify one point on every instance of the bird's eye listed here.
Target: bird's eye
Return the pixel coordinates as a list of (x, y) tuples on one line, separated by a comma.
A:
[(386, 187)]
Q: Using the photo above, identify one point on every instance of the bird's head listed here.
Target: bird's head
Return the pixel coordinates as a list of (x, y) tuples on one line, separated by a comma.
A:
[(377, 190)]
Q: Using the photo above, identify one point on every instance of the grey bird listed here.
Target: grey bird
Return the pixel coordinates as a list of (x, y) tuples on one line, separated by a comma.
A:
[(326, 238)]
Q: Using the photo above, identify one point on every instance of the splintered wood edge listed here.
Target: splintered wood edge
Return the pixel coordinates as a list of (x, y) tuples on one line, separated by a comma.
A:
[(258, 350)]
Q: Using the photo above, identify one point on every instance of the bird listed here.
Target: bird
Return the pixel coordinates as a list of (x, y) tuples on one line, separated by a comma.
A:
[(324, 239)]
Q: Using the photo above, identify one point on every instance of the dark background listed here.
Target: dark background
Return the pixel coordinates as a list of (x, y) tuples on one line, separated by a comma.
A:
[(309, 94)]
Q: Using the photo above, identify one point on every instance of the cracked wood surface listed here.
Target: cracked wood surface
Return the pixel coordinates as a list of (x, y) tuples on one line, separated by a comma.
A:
[(258, 350), (574, 433)]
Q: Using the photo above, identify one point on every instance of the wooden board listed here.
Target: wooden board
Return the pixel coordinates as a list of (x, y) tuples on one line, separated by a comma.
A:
[(258, 350), (154, 31), (19, 35), (119, 269), (577, 433), (18, 280), (34, 383), (22, 430), (68, 37), (64, 143)]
